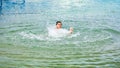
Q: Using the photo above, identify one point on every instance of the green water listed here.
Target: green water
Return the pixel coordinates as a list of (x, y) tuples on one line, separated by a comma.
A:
[(95, 42)]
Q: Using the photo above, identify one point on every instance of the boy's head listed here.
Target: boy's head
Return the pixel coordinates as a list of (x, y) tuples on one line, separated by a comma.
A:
[(58, 24)]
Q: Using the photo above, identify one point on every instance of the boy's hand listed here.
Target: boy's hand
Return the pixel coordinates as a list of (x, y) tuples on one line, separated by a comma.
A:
[(71, 29)]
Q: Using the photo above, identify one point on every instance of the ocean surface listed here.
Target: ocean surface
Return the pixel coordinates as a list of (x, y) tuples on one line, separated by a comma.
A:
[(25, 40)]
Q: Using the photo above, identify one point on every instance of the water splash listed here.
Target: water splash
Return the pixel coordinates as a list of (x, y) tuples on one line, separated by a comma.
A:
[(53, 32)]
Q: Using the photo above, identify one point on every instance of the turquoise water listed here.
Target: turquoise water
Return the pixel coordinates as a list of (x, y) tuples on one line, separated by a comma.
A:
[(95, 42)]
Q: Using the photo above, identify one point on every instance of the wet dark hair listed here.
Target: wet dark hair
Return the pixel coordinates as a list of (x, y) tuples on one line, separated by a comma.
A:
[(58, 22)]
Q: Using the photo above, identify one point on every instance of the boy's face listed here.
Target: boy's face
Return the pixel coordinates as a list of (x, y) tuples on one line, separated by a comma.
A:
[(59, 25)]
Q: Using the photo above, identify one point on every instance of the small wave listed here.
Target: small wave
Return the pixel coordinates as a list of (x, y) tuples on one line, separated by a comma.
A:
[(102, 37), (113, 30), (63, 34)]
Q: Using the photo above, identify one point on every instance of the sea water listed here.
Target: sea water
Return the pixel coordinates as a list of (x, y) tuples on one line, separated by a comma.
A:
[(28, 37)]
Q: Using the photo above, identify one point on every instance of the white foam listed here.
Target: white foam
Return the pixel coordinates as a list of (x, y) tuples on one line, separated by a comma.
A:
[(32, 36), (53, 32), (74, 35)]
